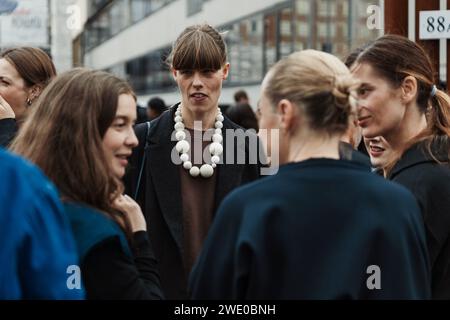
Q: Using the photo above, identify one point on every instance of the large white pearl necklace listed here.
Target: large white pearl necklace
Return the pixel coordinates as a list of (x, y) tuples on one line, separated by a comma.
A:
[(183, 146)]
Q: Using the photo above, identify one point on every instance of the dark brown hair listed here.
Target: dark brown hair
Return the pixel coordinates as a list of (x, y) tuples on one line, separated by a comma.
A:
[(394, 58), (317, 82), (33, 65), (63, 136), (239, 95), (243, 115), (198, 47)]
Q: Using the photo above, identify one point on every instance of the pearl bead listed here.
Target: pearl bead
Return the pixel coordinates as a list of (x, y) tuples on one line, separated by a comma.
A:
[(180, 135), (187, 165), (215, 149), (195, 171), (184, 157), (217, 138), (179, 126), (183, 146), (215, 159), (206, 171)]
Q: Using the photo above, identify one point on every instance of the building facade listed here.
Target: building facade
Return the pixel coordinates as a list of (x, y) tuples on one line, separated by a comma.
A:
[(132, 38), (46, 24)]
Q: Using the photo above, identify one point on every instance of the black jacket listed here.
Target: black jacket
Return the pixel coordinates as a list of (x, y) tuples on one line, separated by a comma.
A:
[(160, 195), (346, 152), (430, 183), (8, 130)]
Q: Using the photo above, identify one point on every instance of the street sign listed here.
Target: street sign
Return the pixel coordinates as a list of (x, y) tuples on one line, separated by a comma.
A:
[(434, 25)]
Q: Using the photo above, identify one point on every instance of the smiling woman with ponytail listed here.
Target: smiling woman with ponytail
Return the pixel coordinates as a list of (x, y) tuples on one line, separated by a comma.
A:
[(398, 99)]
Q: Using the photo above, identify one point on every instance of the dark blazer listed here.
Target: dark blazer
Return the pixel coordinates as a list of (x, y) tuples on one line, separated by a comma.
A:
[(430, 184), (160, 195), (312, 232), (346, 152), (8, 130)]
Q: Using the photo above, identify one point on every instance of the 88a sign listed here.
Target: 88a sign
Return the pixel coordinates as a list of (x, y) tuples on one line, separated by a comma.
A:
[(434, 25)]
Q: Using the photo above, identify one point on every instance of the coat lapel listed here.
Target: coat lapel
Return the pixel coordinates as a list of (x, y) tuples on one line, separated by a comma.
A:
[(166, 178)]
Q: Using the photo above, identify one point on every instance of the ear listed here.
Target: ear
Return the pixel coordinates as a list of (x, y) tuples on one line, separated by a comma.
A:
[(409, 89), (225, 70), (174, 73), (289, 114), (35, 91)]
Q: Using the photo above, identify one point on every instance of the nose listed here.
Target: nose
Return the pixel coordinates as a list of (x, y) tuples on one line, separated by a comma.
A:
[(131, 140), (359, 104), (197, 82), (375, 140)]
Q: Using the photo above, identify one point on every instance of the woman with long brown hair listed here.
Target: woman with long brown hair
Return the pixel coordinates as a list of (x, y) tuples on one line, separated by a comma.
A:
[(24, 73), (80, 134), (398, 100)]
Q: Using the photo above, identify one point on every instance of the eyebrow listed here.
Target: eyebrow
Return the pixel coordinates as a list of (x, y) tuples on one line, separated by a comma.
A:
[(125, 118)]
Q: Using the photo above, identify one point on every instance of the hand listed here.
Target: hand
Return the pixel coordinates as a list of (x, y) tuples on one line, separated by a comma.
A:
[(6, 112), (132, 211)]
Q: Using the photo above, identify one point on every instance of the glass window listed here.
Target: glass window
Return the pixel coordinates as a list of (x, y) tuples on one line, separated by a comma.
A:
[(326, 8), (245, 50), (302, 21), (194, 6), (270, 40), (330, 31), (101, 25), (119, 16), (360, 33), (140, 9), (286, 36), (149, 73), (115, 17), (303, 7)]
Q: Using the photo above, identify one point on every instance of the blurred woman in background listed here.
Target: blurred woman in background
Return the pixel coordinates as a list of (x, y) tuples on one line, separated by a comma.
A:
[(24, 73)]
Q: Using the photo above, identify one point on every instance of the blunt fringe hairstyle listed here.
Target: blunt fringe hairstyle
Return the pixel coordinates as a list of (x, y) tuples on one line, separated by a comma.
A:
[(198, 47), (317, 82), (64, 132)]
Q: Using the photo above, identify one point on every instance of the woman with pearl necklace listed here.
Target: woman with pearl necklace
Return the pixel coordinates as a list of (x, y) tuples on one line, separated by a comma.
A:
[(179, 173)]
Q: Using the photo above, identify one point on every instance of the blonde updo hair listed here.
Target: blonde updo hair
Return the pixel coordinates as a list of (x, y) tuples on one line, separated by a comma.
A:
[(317, 82)]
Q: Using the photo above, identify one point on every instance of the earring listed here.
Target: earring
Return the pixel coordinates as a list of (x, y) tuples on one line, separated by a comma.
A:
[(29, 102)]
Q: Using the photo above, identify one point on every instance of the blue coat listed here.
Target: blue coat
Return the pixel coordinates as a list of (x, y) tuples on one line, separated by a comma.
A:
[(37, 247), (319, 229)]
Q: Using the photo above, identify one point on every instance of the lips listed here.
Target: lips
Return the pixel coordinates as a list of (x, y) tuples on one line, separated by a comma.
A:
[(376, 151), (362, 121), (123, 159), (198, 96)]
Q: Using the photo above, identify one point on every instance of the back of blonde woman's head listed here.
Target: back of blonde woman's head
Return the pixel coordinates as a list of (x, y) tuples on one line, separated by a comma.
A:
[(318, 83)]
